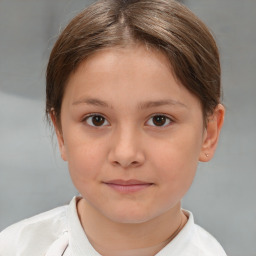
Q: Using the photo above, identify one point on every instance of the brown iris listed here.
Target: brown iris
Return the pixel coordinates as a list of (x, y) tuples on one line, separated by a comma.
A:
[(98, 120), (159, 120)]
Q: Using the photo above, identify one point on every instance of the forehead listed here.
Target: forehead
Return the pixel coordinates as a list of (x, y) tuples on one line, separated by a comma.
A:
[(135, 54), (126, 72), (124, 61)]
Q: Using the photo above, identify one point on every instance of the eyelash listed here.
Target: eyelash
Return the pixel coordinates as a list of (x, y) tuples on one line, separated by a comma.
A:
[(86, 118), (170, 120), (166, 118)]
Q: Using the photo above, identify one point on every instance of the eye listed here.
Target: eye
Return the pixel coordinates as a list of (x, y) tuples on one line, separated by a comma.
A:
[(96, 120), (159, 120)]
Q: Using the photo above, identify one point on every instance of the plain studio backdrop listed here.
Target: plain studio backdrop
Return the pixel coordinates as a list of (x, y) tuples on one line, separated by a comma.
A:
[(33, 179)]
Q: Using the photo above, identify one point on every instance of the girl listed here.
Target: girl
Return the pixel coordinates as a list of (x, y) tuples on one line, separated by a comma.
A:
[(133, 91)]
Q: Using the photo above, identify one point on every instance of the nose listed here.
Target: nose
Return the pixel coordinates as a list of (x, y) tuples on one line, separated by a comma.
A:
[(126, 149)]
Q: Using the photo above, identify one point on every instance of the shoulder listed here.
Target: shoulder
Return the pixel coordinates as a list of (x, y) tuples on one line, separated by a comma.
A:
[(193, 240), (206, 243), (39, 231)]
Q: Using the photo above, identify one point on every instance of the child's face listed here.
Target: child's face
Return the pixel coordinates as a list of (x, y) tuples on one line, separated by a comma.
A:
[(132, 135)]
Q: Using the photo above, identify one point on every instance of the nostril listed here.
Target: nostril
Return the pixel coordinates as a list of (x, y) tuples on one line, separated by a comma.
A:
[(116, 163), (125, 158)]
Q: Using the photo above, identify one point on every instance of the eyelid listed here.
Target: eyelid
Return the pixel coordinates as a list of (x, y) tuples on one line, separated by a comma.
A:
[(86, 117), (168, 117), (171, 119)]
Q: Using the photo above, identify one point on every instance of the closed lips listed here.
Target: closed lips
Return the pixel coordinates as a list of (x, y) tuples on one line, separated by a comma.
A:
[(128, 186), (127, 182)]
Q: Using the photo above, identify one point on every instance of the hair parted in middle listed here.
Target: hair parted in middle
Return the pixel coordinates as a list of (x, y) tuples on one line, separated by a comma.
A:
[(165, 25)]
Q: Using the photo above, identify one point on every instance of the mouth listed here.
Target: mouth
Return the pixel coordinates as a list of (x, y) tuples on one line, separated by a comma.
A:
[(128, 186)]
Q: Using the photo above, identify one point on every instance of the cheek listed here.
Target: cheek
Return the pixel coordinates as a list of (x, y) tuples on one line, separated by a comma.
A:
[(176, 162), (175, 178), (84, 161), (177, 171)]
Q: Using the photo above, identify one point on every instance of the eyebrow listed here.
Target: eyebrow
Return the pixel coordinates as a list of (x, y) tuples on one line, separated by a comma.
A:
[(159, 103), (143, 105), (91, 101)]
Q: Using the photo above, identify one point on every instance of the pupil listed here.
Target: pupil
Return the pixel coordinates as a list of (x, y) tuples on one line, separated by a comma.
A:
[(159, 120), (98, 120)]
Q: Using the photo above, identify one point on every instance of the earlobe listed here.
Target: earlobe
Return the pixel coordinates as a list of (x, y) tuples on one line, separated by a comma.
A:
[(212, 133), (59, 137)]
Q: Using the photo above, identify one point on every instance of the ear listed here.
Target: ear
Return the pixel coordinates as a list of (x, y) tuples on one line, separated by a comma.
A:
[(59, 135), (212, 133)]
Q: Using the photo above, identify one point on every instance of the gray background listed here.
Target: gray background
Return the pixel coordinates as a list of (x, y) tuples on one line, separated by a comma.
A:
[(34, 179)]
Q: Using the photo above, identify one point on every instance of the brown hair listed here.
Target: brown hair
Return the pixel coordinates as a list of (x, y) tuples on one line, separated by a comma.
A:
[(162, 24)]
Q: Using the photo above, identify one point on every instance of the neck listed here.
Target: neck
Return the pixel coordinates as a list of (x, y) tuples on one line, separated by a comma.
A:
[(125, 239)]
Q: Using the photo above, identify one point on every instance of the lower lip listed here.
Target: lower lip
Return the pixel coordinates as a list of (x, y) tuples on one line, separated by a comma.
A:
[(128, 188)]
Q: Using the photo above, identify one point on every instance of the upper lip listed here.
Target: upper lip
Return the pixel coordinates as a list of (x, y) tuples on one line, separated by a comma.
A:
[(127, 182)]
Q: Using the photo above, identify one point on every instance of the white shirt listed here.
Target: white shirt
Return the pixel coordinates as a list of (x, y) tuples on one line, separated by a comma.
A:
[(59, 233)]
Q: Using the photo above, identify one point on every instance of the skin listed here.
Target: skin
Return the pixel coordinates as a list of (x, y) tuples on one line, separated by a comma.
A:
[(127, 87)]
